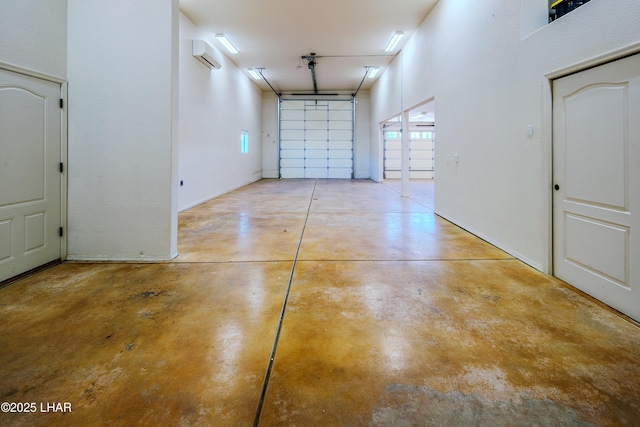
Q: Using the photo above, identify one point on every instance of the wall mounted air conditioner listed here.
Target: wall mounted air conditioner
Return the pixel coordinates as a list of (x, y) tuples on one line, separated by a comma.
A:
[(205, 53)]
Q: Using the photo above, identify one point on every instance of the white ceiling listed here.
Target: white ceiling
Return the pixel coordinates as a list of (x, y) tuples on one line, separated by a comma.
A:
[(275, 34)]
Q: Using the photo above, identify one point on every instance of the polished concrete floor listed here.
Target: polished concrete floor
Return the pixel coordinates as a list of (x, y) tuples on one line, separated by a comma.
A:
[(315, 303)]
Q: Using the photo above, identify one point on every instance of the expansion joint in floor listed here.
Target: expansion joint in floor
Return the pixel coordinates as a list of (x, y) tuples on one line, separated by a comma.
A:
[(274, 348)]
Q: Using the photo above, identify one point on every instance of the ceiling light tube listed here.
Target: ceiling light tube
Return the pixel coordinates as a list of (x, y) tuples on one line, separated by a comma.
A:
[(395, 39), (253, 73), (226, 43), (373, 71)]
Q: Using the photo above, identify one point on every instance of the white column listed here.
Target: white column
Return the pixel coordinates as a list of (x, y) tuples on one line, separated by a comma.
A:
[(122, 129), (404, 161)]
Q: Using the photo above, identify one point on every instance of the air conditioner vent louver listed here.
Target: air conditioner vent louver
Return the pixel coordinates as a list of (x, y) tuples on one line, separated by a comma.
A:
[(205, 53), (212, 65)]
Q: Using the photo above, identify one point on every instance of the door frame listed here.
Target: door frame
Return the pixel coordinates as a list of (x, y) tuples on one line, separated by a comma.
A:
[(547, 122), (64, 133)]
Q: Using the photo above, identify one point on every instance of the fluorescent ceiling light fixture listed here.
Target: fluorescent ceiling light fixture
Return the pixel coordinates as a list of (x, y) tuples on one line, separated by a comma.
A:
[(372, 72), (395, 39), (253, 73), (226, 43)]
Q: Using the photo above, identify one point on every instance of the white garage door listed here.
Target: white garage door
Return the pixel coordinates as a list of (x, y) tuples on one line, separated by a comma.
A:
[(421, 152), (316, 138)]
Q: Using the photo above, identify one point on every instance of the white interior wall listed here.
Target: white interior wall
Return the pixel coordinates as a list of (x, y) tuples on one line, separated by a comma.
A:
[(122, 75), (362, 137), (386, 102), (270, 136), (489, 84), (533, 16), (215, 106), (33, 36)]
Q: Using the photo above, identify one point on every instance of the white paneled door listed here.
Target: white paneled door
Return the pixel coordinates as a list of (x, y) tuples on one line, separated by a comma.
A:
[(316, 138), (30, 178), (596, 203)]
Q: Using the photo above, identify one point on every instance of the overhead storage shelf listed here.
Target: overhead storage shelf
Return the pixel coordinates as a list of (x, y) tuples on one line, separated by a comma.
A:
[(558, 8)]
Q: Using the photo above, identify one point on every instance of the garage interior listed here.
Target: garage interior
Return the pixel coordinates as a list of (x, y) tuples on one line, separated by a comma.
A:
[(316, 230)]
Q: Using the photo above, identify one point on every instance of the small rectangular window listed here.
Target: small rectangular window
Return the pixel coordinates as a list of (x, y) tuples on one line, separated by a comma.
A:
[(244, 141)]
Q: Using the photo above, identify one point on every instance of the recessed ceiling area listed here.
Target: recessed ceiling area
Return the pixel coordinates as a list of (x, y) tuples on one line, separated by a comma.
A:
[(345, 36)]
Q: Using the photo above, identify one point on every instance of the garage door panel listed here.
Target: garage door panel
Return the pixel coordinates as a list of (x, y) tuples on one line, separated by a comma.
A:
[(316, 125), (341, 105), (393, 145), (421, 145), (340, 173), (340, 115), (292, 154), (340, 135), (292, 172), (420, 163), (340, 145), (292, 163), (316, 163), (292, 134), (339, 163), (340, 125), (316, 136), (316, 173), (392, 164), (293, 105), (316, 145), (317, 115), (421, 155), (316, 154), (291, 124), (291, 145), (340, 154), (297, 115)]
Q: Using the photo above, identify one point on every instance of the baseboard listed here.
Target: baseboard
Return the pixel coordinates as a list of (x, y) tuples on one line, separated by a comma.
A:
[(491, 241)]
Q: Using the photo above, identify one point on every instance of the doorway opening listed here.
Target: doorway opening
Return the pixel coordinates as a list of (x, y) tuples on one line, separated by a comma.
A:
[(422, 133), (421, 152)]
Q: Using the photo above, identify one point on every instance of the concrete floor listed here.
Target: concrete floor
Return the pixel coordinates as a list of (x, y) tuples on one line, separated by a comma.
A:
[(392, 317)]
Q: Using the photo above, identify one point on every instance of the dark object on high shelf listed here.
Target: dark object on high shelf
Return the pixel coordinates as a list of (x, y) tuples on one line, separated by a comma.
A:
[(562, 7)]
